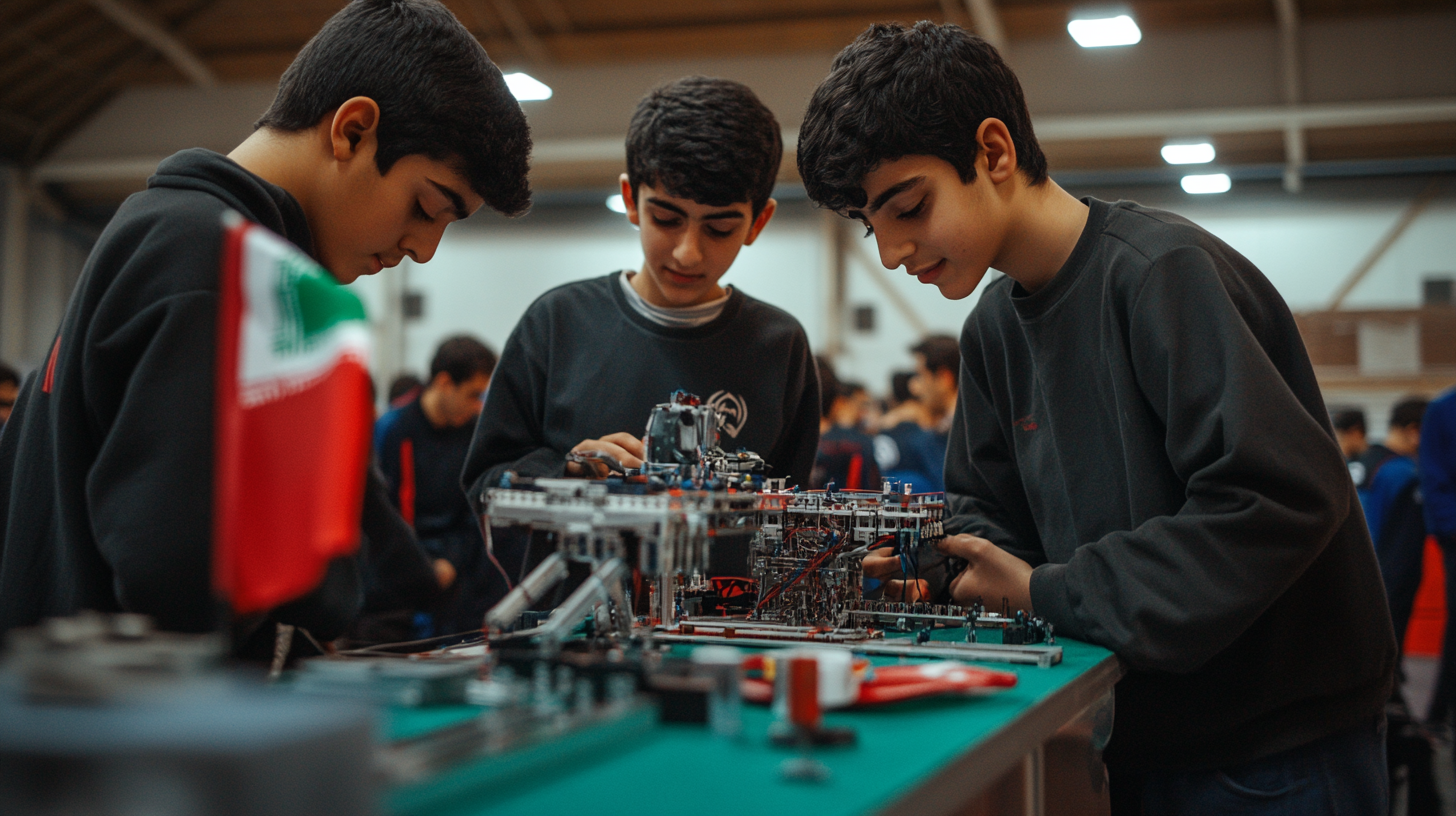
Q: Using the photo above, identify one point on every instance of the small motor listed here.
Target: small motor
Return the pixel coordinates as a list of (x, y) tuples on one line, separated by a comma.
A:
[(680, 432)]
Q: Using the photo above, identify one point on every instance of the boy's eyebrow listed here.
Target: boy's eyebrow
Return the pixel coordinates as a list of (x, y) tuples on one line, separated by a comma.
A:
[(717, 216), (457, 201), (893, 191)]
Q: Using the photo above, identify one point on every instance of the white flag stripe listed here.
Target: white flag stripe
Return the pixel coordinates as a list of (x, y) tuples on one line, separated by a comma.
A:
[(264, 373)]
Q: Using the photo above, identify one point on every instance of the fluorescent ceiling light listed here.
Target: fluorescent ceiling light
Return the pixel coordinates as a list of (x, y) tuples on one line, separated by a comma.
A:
[(1201, 153), (1211, 183), (1119, 30), (526, 88), (616, 204)]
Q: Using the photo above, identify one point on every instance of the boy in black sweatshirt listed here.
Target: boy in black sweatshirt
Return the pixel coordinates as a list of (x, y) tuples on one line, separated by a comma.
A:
[(390, 124), (588, 360), (1140, 453)]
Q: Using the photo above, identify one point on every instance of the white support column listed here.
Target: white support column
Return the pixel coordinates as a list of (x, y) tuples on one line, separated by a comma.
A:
[(389, 330), (14, 252), (836, 245), (1294, 160), (988, 23)]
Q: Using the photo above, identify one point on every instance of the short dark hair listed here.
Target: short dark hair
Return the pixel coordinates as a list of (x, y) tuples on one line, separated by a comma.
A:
[(462, 357), (941, 353), (707, 139), (828, 384), (1408, 412), (1349, 419), (9, 375), (919, 91), (401, 385), (439, 95), (900, 386)]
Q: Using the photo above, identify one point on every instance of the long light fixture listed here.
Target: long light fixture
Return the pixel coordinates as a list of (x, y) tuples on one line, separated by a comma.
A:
[(526, 88), (1205, 184), (1197, 153), (616, 204), (1105, 31)]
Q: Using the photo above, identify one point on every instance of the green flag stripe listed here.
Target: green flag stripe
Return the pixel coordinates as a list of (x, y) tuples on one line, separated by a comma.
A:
[(310, 303)]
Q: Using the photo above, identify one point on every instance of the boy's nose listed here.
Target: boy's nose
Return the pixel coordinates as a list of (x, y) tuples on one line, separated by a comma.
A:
[(421, 246), (688, 253), (893, 253)]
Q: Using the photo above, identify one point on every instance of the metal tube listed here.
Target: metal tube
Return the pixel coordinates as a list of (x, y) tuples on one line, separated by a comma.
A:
[(594, 590), (545, 576)]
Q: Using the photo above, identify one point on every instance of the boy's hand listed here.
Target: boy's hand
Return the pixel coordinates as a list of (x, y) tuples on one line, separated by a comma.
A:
[(992, 574), (882, 564), (444, 573), (624, 447)]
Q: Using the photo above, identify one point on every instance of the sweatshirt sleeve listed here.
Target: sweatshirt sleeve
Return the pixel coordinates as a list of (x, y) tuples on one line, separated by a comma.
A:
[(510, 433), (1438, 464), (983, 489), (1266, 487), (149, 490), (799, 441), (147, 372), (397, 572)]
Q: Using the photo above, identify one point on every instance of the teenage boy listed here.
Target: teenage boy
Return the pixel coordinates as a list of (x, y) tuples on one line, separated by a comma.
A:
[(1140, 453), (588, 361), (390, 124), (421, 448)]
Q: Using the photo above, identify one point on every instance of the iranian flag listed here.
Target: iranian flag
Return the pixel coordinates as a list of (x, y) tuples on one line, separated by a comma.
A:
[(293, 420)]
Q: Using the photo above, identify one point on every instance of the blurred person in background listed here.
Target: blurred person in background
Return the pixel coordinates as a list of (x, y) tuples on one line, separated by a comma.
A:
[(9, 390), (1350, 433), (937, 372), (1390, 494), (846, 456), (403, 390), (905, 449), (1437, 454), (421, 447), (911, 445)]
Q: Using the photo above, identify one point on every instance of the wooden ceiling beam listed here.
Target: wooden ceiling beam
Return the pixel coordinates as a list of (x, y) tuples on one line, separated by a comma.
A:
[(142, 24), (90, 42)]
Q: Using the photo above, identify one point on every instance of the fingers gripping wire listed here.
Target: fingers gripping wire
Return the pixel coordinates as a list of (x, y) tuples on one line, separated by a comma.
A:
[(588, 458)]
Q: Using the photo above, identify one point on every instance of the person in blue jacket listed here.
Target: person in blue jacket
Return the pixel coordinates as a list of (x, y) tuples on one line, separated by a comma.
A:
[(1438, 491), (1391, 497)]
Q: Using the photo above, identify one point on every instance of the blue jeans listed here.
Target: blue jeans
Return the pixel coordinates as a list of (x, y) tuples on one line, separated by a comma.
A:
[(1343, 774)]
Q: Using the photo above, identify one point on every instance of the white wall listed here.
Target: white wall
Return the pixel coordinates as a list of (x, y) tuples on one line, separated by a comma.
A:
[(488, 270)]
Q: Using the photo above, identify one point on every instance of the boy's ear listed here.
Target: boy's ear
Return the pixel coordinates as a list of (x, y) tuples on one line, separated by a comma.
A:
[(629, 200), (998, 153), (355, 126), (761, 221)]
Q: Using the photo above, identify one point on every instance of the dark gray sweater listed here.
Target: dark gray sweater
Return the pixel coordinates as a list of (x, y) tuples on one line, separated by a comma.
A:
[(1147, 432), (582, 364)]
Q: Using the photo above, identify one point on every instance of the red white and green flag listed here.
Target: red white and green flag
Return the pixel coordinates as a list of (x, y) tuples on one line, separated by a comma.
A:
[(293, 420)]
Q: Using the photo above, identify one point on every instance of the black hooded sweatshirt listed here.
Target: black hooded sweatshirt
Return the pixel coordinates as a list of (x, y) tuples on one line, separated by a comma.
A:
[(106, 463)]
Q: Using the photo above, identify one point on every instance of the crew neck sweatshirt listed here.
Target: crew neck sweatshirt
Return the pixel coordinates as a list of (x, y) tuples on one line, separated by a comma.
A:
[(583, 364), (1147, 432), (679, 317)]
